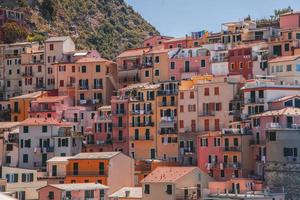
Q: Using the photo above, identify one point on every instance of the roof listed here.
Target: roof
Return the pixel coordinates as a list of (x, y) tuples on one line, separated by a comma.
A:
[(91, 59), (140, 86), (284, 59), (59, 159), (94, 155), (50, 99), (78, 186), (29, 96), (177, 39), (43, 121), (167, 174), (285, 98), (134, 52), (134, 193), (7, 125), (290, 111), (57, 39), (6, 197)]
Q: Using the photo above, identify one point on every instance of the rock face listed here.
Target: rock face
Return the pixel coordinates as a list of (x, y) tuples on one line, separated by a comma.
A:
[(279, 174), (110, 26)]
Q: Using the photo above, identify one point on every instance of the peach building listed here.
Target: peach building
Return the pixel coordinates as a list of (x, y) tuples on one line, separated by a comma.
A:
[(73, 191), (101, 167), (167, 126), (175, 183), (57, 169), (142, 120), (90, 80), (155, 40), (20, 105)]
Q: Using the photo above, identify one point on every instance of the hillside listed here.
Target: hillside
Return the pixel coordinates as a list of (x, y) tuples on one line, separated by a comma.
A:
[(109, 26)]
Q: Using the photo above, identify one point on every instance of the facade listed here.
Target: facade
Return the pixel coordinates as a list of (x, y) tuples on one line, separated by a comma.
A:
[(101, 167), (22, 182), (43, 138), (57, 169), (127, 193), (73, 191), (175, 183)]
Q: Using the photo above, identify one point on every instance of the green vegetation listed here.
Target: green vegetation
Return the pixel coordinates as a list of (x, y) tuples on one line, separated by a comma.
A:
[(14, 32), (35, 37), (110, 26)]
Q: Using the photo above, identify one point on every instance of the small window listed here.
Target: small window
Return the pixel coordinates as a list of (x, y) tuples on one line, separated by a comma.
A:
[(287, 47), (232, 66), (272, 136), (156, 72), (44, 129), (83, 69), (98, 69), (147, 74), (206, 91), (169, 189), (298, 67), (289, 68), (172, 65), (298, 36), (156, 59), (241, 65), (203, 63), (51, 47), (25, 158), (289, 35), (25, 129), (147, 189), (217, 92)]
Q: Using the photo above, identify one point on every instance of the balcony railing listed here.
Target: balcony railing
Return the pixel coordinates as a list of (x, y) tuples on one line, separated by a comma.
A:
[(119, 112), (222, 165), (166, 92), (275, 125), (28, 74), (150, 138), (187, 150), (117, 125), (85, 173), (142, 112), (232, 148), (207, 113), (168, 131), (255, 100), (142, 124), (163, 104), (84, 87), (98, 87)]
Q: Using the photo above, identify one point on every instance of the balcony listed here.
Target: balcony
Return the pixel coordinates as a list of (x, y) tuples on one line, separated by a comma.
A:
[(83, 87), (255, 101), (40, 86), (231, 148), (86, 173), (167, 122), (119, 140), (168, 131), (166, 92), (142, 112), (217, 59), (71, 85), (206, 113), (47, 149), (275, 125), (96, 87), (236, 131), (26, 74), (146, 124), (165, 104), (187, 151)]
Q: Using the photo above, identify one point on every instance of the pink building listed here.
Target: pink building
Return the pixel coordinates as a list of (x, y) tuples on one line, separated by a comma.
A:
[(155, 40), (101, 137), (120, 124), (187, 62), (290, 20), (73, 191), (50, 106)]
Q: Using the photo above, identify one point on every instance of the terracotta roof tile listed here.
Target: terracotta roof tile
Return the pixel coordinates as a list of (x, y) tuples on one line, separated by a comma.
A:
[(291, 111), (43, 121), (133, 52)]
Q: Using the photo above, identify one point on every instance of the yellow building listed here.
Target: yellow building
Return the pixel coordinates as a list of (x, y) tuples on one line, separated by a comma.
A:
[(20, 105)]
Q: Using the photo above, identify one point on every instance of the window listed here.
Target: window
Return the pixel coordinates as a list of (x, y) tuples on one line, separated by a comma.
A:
[(27, 177), (192, 95), (25, 158), (12, 178), (260, 94), (287, 47), (181, 108), (232, 66), (147, 74), (44, 129), (61, 83), (156, 72), (241, 65), (101, 168), (89, 194), (51, 47), (206, 91), (203, 63), (272, 136), (203, 142), (289, 35), (169, 189), (298, 67), (7, 159), (27, 143), (222, 173), (172, 65), (235, 142), (147, 189), (181, 123), (290, 152), (98, 69), (181, 95), (83, 69), (216, 91), (156, 59), (289, 68), (298, 36)]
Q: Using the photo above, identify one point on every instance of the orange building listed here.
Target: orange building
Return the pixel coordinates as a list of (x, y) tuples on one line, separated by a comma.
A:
[(101, 167)]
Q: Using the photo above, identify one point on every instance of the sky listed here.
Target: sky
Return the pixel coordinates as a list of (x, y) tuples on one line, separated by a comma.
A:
[(179, 17)]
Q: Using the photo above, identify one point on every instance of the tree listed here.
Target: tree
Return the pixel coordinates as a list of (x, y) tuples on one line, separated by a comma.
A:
[(48, 9), (36, 37), (14, 32), (22, 3)]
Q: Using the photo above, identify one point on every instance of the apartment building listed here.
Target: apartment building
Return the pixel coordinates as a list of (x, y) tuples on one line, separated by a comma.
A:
[(100, 139), (226, 154), (142, 117), (285, 69), (167, 125), (54, 48), (101, 167), (175, 183), (73, 191), (90, 80), (56, 169), (43, 138), (22, 183), (9, 144), (20, 105)]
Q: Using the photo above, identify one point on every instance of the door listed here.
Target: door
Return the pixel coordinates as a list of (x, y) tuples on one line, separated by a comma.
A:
[(152, 154), (226, 143), (44, 159), (54, 170), (257, 138), (289, 122), (186, 66), (75, 168)]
